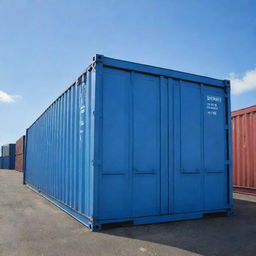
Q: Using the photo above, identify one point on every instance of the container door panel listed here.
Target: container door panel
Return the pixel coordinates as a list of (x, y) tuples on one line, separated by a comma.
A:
[(114, 200), (187, 139), (146, 145), (215, 193)]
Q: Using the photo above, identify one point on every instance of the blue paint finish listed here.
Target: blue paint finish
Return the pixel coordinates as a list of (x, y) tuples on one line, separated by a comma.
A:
[(228, 146), (131, 142), (5, 162), (8, 156)]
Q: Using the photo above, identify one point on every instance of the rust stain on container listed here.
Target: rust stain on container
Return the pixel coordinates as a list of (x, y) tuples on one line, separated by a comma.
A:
[(244, 150)]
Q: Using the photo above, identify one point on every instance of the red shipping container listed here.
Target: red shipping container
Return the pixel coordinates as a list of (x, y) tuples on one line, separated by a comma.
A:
[(19, 162), (244, 150), (20, 145)]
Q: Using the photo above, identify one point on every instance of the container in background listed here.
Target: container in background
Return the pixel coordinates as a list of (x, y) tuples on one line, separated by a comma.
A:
[(20, 145), (8, 156), (244, 150), (134, 143), (19, 158), (19, 161)]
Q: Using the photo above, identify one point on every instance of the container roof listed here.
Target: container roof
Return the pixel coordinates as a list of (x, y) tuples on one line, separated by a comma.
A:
[(243, 111)]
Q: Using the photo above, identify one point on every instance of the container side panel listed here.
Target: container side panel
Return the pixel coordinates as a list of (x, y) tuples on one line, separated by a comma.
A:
[(244, 144), (20, 145), (88, 150), (77, 143), (19, 162), (71, 146), (56, 162), (83, 182)]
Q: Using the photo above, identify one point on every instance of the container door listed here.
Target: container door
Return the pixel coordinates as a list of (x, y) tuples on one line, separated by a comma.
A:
[(188, 173), (115, 199), (198, 179), (146, 145), (130, 174), (215, 180)]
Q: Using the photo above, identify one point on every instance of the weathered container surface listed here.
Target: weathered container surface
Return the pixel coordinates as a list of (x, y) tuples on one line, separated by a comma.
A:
[(131, 142), (244, 150), (8, 150), (5, 150), (20, 145), (19, 161)]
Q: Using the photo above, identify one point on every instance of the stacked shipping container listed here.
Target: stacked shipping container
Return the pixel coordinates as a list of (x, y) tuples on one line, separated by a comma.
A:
[(19, 157), (244, 150), (8, 156)]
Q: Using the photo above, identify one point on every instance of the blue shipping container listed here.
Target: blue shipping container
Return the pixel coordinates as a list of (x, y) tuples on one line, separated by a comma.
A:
[(8, 157), (132, 142)]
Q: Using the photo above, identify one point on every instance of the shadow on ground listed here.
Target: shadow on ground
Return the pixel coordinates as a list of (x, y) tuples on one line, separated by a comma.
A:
[(30, 225), (209, 236)]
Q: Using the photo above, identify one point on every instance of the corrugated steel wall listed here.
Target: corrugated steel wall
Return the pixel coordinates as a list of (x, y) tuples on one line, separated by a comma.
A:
[(19, 161), (20, 145), (55, 144), (244, 150), (19, 157)]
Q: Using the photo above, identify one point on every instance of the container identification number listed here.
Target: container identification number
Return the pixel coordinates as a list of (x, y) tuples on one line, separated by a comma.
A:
[(213, 105)]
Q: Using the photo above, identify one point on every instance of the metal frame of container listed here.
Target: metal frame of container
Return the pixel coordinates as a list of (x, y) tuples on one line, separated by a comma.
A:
[(244, 150), (86, 163)]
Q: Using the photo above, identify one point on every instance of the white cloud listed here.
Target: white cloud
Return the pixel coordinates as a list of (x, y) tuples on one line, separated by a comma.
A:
[(7, 98), (244, 84)]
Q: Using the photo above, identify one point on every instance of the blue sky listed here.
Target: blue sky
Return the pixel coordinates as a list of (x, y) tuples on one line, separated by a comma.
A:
[(45, 44)]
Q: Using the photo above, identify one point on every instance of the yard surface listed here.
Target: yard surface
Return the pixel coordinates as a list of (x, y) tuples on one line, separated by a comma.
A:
[(30, 225)]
